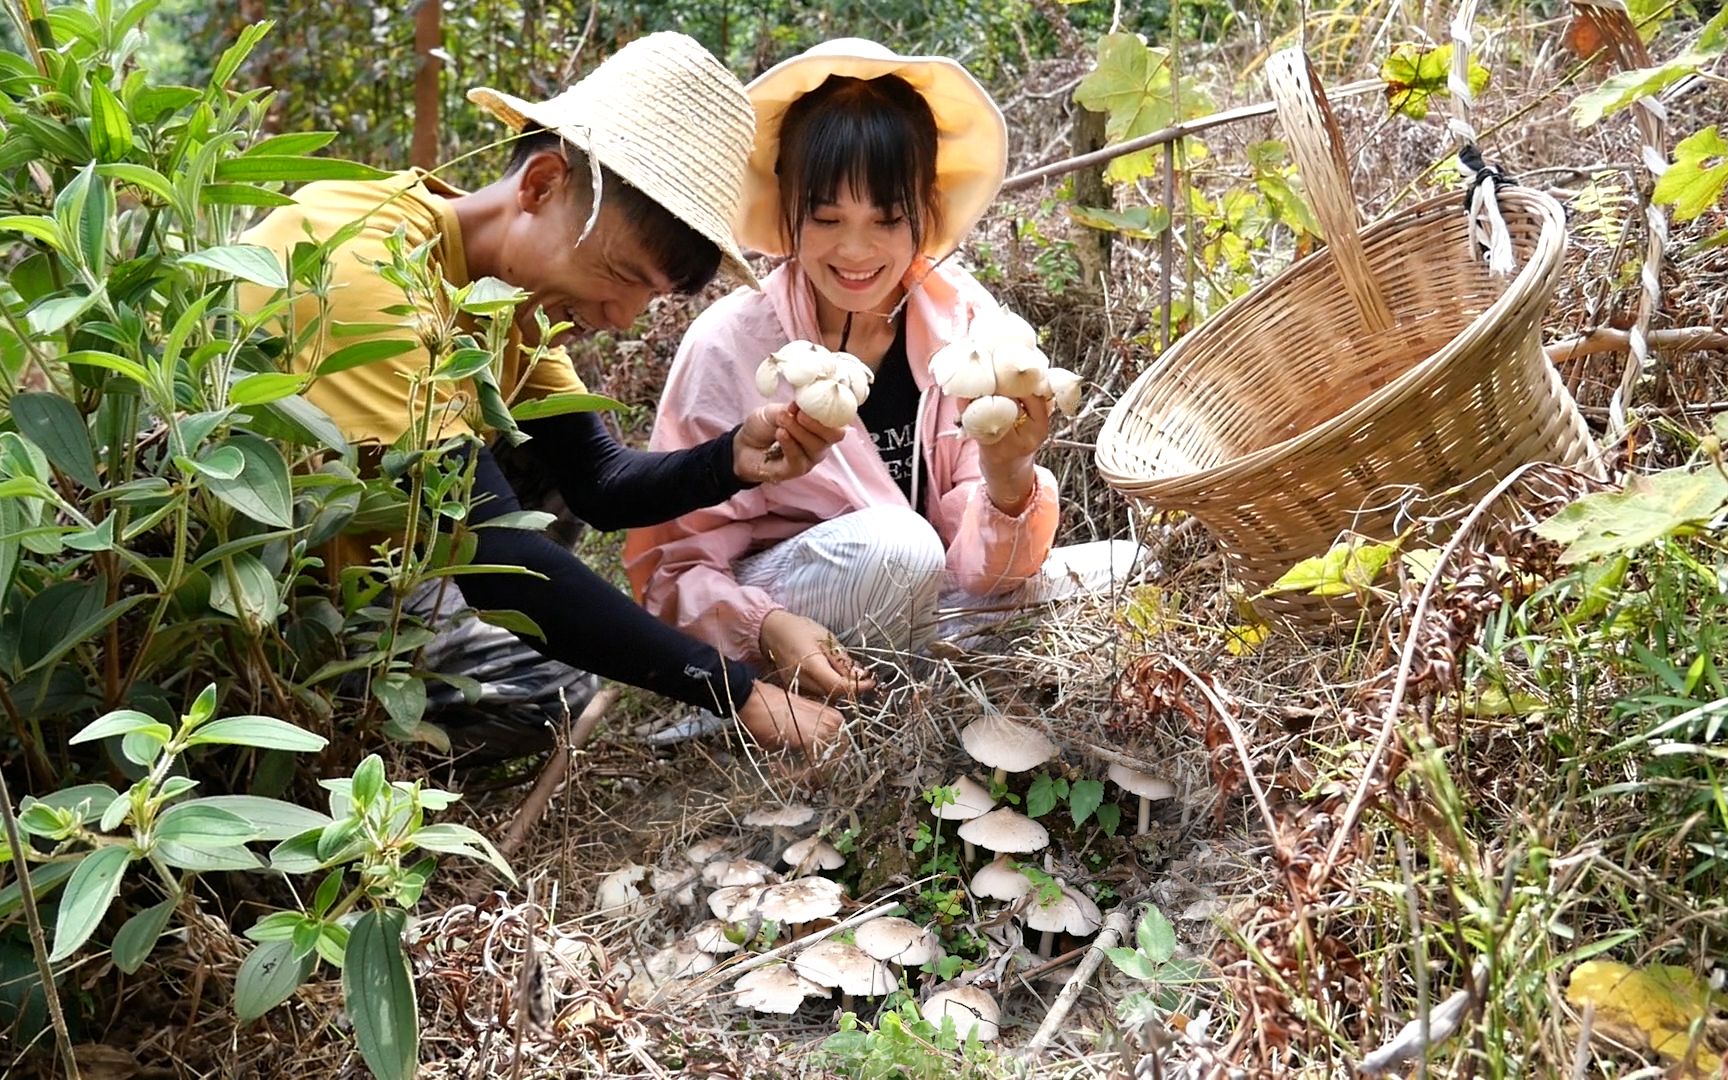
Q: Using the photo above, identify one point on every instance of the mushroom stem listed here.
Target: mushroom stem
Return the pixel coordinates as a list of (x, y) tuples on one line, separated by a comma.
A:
[(970, 851), (1145, 814), (845, 1002), (999, 778), (1044, 944)]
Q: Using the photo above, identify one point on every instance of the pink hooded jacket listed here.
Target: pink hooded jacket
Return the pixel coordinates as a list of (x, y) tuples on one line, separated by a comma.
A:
[(682, 570)]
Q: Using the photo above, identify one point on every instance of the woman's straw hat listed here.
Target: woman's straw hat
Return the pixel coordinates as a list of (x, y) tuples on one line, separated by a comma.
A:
[(666, 116), (972, 140)]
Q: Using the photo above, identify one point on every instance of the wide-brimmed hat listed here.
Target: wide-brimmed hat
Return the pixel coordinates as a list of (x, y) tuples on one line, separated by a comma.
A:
[(666, 116), (971, 138)]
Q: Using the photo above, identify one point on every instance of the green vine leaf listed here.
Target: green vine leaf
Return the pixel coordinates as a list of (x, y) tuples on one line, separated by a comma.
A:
[(1134, 87), (1415, 73), (1694, 183)]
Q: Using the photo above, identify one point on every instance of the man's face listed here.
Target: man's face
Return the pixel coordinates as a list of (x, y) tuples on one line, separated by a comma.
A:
[(603, 284)]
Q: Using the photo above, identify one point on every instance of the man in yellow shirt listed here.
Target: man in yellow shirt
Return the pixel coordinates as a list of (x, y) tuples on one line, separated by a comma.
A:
[(664, 129)]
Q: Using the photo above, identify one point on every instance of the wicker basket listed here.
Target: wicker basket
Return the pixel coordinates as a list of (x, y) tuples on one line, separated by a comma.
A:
[(1390, 373)]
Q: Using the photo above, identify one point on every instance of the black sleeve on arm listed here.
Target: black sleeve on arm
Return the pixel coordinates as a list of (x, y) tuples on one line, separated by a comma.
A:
[(611, 486), (588, 623)]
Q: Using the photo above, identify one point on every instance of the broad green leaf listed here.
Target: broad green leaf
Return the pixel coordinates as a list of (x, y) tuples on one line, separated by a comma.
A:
[(362, 353), (139, 176), (101, 538), (1132, 963), (1040, 797), (298, 854), (453, 839), (1084, 797), (531, 520), (367, 782), (1139, 222), (276, 926), (264, 732), (1156, 936), (265, 386), (294, 143), (1651, 508), (89, 892), (241, 195), (268, 976), (1133, 87), (78, 623), (273, 819), (109, 362), (1109, 818), (87, 801), (1626, 87), (1415, 73), (51, 315), (184, 856), (244, 588), (463, 364), (378, 992), (261, 490), (110, 128), (514, 621), (55, 424), (204, 827), (489, 297), (1695, 181), (118, 722), (136, 939), (293, 419), (404, 699), (37, 227), (248, 262), (220, 463), (44, 879), (560, 404), (293, 169)]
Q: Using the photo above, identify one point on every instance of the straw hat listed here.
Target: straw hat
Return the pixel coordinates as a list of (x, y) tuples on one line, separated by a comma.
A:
[(972, 140), (666, 116)]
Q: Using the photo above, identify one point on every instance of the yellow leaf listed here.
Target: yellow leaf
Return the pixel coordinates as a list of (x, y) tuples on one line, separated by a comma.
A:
[(1655, 1006), (1244, 640)]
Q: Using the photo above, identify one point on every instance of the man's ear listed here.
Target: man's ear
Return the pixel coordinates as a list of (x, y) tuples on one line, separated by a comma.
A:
[(544, 177)]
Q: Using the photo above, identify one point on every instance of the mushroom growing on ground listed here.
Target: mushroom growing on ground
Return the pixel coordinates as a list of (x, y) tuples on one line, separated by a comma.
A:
[(971, 799), (737, 872), (900, 942), (703, 852), (617, 891), (813, 853), (1148, 787), (679, 886), (710, 937), (828, 385), (734, 903), (797, 902), (775, 989), (1001, 744), (845, 967), (1001, 879), (1072, 912), (973, 1011), (1003, 830)]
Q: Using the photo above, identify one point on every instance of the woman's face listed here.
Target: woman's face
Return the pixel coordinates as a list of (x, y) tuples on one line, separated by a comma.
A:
[(854, 253)]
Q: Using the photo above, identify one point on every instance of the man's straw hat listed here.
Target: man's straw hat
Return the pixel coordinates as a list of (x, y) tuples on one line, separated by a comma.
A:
[(971, 148), (666, 116)]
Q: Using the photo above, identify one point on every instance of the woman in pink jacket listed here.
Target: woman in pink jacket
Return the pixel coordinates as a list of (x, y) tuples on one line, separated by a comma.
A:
[(868, 169)]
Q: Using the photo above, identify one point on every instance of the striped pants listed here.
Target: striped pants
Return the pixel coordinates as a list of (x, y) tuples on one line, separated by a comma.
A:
[(878, 579)]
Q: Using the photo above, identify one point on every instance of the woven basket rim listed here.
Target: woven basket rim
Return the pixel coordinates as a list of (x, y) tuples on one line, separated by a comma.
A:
[(1545, 260)]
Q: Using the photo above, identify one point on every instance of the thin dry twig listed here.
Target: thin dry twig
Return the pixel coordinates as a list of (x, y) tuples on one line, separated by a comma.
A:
[(1114, 930)]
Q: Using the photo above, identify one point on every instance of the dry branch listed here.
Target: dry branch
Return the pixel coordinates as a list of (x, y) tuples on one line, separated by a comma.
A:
[(1114, 930), (552, 776), (1607, 339)]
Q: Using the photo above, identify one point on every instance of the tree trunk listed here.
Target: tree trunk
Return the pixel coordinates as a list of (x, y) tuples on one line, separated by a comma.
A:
[(428, 35), (1091, 246)]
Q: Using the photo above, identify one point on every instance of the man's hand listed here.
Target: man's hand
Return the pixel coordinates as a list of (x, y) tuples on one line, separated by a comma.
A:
[(807, 659), (778, 442), (781, 720), (1007, 463)]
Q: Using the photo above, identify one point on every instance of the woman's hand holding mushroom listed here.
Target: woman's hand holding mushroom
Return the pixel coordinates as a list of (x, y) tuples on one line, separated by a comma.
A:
[(780, 442), (805, 657), (1008, 463)]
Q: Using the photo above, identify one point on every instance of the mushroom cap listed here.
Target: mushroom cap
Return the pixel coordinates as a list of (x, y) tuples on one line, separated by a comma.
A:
[(1003, 829), (706, 851), (986, 419), (1065, 389), (618, 889), (972, 1009), (829, 400), (1000, 743), (964, 370), (1073, 912), (780, 817), (999, 879), (678, 885), (898, 941), (735, 902), (680, 961), (845, 967), (710, 937), (800, 900), (737, 872), (971, 799), (801, 361), (1020, 371), (1142, 784), (776, 988), (813, 852), (1005, 328)]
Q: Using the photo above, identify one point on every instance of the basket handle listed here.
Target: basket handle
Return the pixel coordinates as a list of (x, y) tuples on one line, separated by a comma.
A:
[(1318, 147)]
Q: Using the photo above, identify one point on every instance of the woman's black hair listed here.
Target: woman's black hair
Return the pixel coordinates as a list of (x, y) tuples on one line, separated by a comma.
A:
[(875, 136), (689, 259)]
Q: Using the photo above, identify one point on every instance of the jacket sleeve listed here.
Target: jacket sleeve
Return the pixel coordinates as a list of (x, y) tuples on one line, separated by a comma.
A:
[(682, 569), (988, 551)]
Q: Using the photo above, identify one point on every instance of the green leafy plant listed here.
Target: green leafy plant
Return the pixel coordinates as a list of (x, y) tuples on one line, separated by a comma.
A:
[(1085, 798), (1152, 959), (904, 1046), (1415, 74)]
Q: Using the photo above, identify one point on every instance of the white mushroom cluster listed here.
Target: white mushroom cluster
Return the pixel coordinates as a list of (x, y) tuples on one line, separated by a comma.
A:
[(828, 385), (997, 362)]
